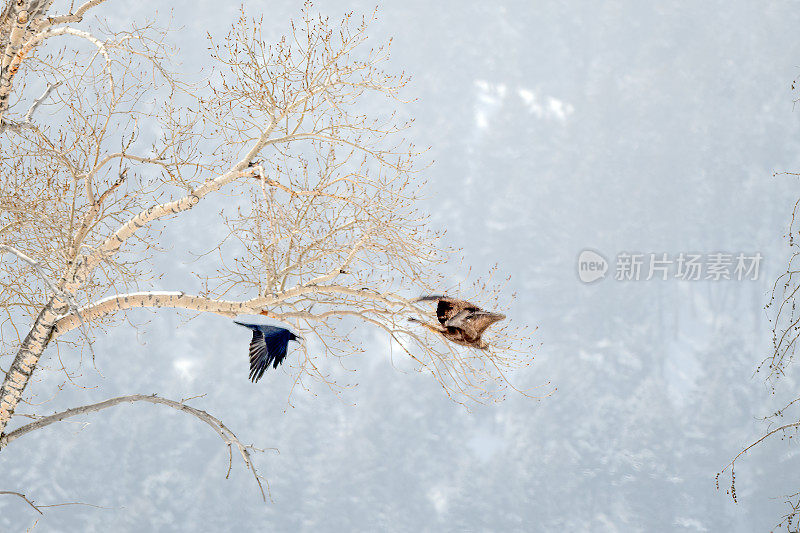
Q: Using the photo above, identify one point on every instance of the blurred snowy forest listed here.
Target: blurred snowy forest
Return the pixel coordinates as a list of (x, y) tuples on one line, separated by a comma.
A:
[(618, 126)]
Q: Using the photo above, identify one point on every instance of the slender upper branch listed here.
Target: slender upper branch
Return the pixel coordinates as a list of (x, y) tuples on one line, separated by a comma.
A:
[(759, 441)]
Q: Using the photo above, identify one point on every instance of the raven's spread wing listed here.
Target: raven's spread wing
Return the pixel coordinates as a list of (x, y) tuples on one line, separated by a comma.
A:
[(448, 308), (277, 340), (268, 347), (259, 356)]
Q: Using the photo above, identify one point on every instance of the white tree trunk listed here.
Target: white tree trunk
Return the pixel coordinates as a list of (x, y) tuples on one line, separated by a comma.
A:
[(26, 360)]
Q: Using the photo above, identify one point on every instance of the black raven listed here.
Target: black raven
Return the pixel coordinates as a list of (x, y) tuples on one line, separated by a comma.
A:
[(268, 346), (460, 321)]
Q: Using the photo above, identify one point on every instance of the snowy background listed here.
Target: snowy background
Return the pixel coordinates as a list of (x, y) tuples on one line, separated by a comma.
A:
[(619, 126)]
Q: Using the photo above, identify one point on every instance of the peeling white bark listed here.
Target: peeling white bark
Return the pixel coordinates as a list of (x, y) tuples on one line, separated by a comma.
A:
[(20, 22), (157, 299), (11, 55), (227, 308), (26, 359), (28, 29)]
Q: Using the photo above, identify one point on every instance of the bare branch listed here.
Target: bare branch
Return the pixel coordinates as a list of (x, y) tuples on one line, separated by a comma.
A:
[(228, 308), (29, 502), (78, 15), (224, 433), (102, 49), (38, 101), (757, 442), (147, 216), (36, 266)]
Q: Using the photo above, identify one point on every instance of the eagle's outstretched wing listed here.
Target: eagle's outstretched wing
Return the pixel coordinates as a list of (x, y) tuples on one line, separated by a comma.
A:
[(474, 323), (463, 322)]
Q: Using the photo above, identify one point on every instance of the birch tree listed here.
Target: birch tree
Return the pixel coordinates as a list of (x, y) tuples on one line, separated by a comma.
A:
[(104, 145)]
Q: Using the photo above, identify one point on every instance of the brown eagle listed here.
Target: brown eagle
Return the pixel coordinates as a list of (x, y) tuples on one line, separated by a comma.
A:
[(460, 321)]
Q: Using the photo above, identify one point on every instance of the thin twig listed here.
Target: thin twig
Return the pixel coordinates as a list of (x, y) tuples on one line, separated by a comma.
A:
[(29, 502)]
